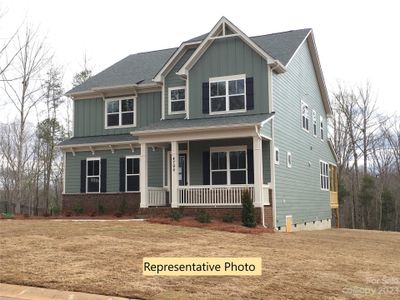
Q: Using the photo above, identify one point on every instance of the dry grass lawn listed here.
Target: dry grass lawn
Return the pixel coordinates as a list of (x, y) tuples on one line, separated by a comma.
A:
[(106, 258)]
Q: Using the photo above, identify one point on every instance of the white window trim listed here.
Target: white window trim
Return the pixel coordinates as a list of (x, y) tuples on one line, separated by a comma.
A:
[(226, 79), (119, 99), (321, 128), (126, 172), (87, 176), (276, 149), (170, 112), (314, 122), (308, 116), (228, 167), (289, 161), (324, 175)]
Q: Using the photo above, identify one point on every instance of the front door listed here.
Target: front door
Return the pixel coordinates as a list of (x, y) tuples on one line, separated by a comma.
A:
[(182, 169)]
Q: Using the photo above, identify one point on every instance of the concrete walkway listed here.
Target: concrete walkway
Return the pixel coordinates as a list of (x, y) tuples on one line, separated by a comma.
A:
[(19, 292)]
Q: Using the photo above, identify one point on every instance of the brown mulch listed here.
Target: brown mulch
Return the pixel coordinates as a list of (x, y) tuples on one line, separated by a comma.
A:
[(213, 225)]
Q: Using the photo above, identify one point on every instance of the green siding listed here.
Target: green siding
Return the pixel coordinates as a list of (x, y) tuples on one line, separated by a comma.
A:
[(229, 56), (266, 162), (298, 190), (89, 115), (172, 80), (196, 155), (73, 168)]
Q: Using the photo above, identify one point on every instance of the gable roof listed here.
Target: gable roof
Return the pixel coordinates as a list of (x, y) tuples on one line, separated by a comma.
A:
[(141, 68)]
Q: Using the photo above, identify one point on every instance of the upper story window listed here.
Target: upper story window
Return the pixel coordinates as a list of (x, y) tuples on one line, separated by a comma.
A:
[(120, 112), (228, 94), (305, 118), (314, 122), (228, 165), (321, 127), (93, 174), (176, 103)]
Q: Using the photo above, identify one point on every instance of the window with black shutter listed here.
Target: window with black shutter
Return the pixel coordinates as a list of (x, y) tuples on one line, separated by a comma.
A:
[(132, 174), (93, 175)]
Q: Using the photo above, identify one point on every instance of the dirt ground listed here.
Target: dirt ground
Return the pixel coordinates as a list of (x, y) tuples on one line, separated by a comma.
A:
[(106, 258)]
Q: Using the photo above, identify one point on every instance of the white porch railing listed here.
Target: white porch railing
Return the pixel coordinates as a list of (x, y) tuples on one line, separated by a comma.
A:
[(157, 196), (199, 195)]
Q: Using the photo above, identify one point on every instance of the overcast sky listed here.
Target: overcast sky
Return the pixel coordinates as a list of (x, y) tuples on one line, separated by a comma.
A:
[(356, 40)]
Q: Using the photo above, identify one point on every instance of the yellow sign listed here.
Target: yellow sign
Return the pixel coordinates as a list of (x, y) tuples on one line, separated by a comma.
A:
[(202, 266)]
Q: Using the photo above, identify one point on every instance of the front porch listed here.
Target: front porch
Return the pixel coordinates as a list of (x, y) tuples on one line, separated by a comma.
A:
[(207, 173)]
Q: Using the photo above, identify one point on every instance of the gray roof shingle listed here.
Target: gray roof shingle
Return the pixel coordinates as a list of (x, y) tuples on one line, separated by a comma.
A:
[(171, 124), (100, 139), (142, 67)]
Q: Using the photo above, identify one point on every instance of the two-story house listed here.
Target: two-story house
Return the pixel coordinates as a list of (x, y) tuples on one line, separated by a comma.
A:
[(195, 126)]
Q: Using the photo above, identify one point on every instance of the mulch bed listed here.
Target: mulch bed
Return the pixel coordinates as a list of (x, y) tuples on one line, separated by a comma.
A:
[(214, 225)]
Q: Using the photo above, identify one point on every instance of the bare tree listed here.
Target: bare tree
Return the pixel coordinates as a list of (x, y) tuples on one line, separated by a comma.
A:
[(24, 91)]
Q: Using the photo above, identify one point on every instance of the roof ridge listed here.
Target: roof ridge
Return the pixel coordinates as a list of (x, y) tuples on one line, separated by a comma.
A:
[(145, 52), (281, 32)]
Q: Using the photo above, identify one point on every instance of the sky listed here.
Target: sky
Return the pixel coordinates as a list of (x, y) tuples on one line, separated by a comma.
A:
[(356, 40)]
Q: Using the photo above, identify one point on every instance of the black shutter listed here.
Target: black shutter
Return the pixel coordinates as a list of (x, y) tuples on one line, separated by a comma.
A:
[(206, 168), (249, 93), (122, 174), (83, 176), (206, 98), (250, 166), (103, 183)]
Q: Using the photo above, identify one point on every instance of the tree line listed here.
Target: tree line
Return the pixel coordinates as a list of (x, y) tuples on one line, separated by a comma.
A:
[(35, 117)]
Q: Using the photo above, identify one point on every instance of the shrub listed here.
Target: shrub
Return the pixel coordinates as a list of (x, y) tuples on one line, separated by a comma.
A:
[(46, 214), (68, 213), (176, 214), (203, 217), (78, 210), (93, 214), (55, 211), (101, 209), (248, 211), (8, 215), (118, 214), (26, 215), (228, 218)]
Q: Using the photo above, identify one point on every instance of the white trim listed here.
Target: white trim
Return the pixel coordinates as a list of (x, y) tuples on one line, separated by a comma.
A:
[(169, 166), (128, 143), (314, 123), (163, 100), (64, 170), (87, 176), (120, 112), (276, 149), (307, 116), (170, 112), (126, 171), (226, 79), (228, 170), (289, 159), (326, 176)]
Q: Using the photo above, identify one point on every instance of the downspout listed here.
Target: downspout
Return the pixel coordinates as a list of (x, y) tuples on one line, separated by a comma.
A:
[(262, 203)]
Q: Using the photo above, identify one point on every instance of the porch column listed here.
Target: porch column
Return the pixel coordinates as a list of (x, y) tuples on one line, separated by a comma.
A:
[(258, 171), (174, 173), (144, 175)]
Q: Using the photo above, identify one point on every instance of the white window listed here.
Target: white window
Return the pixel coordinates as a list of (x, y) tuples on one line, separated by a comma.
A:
[(227, 94), (314, 122), (228, 165), (132, 174), (276, 156), (321, 127), (324, 175), (305, 118), (120, 112), (177, 97), (289, 159), (93, 175)]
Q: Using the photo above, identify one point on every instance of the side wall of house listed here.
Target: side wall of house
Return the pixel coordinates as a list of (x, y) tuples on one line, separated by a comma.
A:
[(89, 115), (298, 191), (225, 57)]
